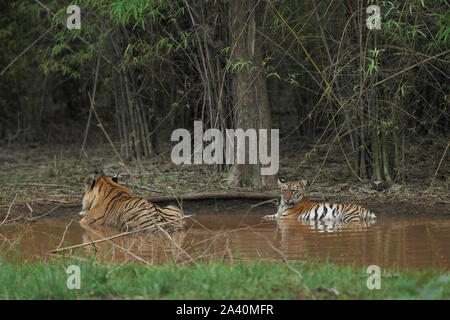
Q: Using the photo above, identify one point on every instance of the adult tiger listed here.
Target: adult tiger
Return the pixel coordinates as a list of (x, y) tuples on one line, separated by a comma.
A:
[(107, 203), (294, 204)]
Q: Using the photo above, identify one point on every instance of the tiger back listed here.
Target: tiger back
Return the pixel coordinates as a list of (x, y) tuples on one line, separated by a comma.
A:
[(294, 205), (108, 203)]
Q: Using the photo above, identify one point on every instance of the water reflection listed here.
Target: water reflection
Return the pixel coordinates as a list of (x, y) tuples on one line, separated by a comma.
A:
[(337, 226), (404, 242), (149, 248)]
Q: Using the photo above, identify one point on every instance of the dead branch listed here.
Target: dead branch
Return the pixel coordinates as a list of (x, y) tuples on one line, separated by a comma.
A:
[(437, 169), (9, 210), (113, 237), (282, 254), (176, 244)]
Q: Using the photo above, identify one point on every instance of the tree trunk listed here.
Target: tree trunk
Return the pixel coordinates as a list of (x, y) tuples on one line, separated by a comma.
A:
[(251, 103)]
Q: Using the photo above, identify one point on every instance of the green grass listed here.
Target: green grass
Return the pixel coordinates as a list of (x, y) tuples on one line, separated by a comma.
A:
[(214, 280)]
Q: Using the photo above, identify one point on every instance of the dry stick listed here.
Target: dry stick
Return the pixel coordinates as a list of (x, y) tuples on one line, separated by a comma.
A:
[(34, 184), (113, 237), (23, 52), (106, 134), (90, 109), (123, 249), (325, 158), (178, 201), (437, 169), (361, 92), (410, 67), (12, 220), (176, 244), (365, 90), (283, 255), (57, 200), (43, 215), (272, 201), (9, 210), (204, 227), (64, 234), (141, 187)]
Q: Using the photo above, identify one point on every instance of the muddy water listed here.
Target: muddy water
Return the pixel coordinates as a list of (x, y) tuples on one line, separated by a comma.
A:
[(403, 242)]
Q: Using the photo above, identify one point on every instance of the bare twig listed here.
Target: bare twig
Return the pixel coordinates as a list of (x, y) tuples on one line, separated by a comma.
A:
[(43, 215), (115, 236), (12, 220), (23, 52), (176, 244), (106, 134), (64, 234), (36, 184), (282, 254), (141, 187), (437, 169), (121, 248), (411, 67), (9, 210), (90, 109)]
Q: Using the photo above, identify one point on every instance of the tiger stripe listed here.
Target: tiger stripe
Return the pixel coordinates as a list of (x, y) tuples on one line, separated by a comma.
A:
[(108, 203), (294, 205)]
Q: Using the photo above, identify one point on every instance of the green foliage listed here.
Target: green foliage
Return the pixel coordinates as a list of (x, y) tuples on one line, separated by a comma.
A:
[(240, 64), (169, 62), (215, 280)]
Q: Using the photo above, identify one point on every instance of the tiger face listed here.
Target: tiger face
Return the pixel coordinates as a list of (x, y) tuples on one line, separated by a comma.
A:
[(92, 188), (291, 194)]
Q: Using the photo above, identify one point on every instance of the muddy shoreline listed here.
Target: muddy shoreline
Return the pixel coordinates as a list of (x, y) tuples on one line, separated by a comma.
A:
[(36, 180)]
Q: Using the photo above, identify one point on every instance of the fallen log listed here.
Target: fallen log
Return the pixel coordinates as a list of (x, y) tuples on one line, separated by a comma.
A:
[(219, 195), (216, 195)]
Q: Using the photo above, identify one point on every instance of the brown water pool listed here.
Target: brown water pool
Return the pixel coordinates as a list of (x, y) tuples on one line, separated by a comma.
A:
[(403, 242)]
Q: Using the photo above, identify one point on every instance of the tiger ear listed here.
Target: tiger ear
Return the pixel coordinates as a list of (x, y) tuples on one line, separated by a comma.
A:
[(303, 182), (115, 178), (98, 172), (280, 182), (89, 181)]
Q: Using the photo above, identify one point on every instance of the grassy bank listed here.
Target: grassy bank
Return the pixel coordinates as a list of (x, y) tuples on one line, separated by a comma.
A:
[(241, 280)]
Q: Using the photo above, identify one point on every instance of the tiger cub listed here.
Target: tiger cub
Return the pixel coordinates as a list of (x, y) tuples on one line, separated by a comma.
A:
[(294, 205), (107, 203)]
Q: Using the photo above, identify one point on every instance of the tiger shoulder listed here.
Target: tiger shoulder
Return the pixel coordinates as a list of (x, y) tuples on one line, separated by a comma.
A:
[(107, 203)]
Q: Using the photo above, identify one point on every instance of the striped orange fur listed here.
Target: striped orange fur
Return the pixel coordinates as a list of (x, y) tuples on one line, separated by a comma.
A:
[(108, 203), (294, 205)]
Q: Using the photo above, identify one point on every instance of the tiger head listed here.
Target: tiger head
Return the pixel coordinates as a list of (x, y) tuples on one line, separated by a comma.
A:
[(291, 194), (95, 190)]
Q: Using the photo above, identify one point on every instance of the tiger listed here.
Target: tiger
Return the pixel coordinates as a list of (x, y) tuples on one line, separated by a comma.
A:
[(110, 204), (294, 205)]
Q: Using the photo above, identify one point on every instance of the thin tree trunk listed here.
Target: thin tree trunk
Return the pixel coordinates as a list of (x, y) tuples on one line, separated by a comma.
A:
[(251, 105)]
